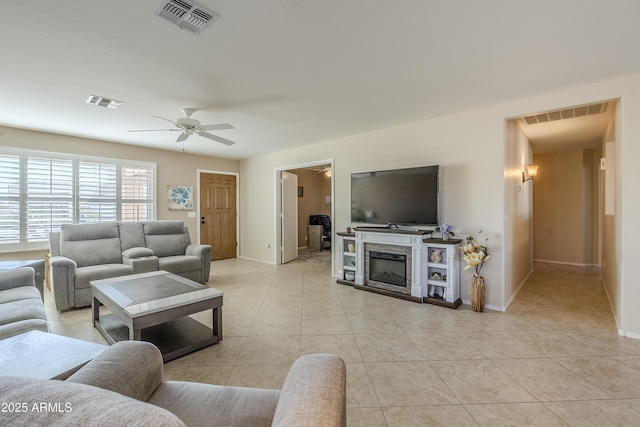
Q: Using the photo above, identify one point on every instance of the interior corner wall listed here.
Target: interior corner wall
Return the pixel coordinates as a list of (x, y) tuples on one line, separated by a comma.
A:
[(518, 197), (173, 168)]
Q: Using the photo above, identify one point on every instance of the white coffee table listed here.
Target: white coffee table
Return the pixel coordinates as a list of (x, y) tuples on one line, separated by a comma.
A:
[(38, 354)]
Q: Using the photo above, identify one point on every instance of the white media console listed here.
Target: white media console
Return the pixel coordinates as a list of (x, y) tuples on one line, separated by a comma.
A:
[(402, 263)]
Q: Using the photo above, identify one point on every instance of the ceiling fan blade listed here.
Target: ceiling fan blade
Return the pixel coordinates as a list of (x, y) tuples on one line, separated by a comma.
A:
[(162, 118), (183, 136), (154, 130), (216, 138), (219, 126)]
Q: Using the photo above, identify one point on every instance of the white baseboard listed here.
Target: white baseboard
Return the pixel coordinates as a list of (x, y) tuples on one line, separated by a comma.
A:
[(487, 306), (629, 334), (513, 296), (257, 260), (577, 264)]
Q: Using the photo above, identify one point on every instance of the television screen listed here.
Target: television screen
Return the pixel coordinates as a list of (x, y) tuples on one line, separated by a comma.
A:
[(396, 197)]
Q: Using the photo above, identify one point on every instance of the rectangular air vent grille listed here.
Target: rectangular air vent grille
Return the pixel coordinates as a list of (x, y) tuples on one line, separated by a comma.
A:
[(104, 102), (567, 113), (187, 15)]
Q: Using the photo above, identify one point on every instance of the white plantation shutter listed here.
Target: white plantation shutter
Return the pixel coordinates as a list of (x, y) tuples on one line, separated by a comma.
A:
[(138, 194), (49, 196), (9, 199), (40, 190), (97, 192)]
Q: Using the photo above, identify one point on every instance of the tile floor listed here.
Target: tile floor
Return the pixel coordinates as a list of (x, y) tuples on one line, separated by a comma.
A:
[(554, 359)]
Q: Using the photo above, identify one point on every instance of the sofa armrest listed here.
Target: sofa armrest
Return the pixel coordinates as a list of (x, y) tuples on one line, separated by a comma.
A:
[(131, 368), (141, 259), (62, 276), (24, 276), (314, 393), (204, 253), (137, 252)]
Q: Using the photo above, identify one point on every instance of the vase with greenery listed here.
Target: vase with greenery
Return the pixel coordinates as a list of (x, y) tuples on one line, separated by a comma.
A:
[(476, 254)]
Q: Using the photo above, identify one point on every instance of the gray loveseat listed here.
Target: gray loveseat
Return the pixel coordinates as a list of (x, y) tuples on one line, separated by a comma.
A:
[(112, 390), (21, 307), (81, 253)]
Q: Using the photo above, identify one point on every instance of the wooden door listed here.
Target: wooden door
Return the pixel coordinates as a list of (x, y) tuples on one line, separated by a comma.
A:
[(218, 216)]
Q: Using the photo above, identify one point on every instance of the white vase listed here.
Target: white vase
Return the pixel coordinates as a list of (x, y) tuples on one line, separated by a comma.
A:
[(445, 236)]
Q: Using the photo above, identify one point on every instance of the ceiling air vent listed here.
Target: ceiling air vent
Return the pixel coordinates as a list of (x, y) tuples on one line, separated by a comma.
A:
[(104, 102), (187, 15), (567, 113)]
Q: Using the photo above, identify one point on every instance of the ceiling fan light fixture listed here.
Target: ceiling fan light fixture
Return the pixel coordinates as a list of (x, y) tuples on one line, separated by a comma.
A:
[(188, 126)]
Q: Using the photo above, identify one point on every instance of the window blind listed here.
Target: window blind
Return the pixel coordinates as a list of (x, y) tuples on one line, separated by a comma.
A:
[(40, 190)]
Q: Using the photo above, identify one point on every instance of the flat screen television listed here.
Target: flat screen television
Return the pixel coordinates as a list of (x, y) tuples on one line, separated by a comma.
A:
[(404, 197)]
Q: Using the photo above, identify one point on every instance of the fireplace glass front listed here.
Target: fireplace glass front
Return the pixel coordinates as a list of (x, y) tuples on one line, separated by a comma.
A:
[(388, 268)]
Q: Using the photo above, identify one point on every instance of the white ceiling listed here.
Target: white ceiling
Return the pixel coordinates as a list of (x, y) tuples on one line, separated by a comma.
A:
[(292, 72)]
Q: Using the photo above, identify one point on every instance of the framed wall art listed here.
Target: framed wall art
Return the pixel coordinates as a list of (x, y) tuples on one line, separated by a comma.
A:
[(180, 197)]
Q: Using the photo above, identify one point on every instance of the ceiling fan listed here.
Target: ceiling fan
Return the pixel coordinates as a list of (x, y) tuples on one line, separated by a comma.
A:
[(188, 126)]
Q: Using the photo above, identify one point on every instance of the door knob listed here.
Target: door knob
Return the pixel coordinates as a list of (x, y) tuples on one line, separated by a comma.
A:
[(202, 221)]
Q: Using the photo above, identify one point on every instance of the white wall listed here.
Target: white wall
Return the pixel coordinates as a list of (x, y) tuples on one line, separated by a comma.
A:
[(468, 172), (470, 148), (518, 198)]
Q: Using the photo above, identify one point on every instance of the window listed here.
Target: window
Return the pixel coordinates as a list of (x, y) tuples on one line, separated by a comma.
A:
[(39, 191)]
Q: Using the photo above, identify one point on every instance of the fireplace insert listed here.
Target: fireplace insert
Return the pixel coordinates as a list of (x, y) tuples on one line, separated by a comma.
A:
[(388, 268)]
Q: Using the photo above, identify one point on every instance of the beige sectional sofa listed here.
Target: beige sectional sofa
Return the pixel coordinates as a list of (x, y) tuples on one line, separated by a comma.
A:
[(81, 253), (21, 306), (124, 386)]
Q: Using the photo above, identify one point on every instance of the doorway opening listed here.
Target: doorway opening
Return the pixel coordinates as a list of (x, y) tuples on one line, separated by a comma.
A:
[(312, 197), (567, 145)]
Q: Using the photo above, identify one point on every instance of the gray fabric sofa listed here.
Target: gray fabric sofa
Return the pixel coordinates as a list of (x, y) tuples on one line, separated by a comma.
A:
[(81, 253), (124, 386), (21, 306)]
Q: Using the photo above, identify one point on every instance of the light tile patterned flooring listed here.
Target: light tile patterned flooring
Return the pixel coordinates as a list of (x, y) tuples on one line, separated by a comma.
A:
[(553, 359)]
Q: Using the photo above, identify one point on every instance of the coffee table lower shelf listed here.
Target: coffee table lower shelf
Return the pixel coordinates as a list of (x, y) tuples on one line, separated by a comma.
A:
[(174, 338)]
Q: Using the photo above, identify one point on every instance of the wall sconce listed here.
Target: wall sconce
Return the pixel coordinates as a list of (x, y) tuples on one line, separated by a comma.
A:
[(532, 172)]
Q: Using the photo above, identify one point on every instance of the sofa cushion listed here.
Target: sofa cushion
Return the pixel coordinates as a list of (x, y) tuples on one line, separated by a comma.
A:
[(25, 309), (22, 326), (91, 245), (163, 227), (206, 404), (131, 235), (84, 275), (17, 294), (69, 404), (166, 238)]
